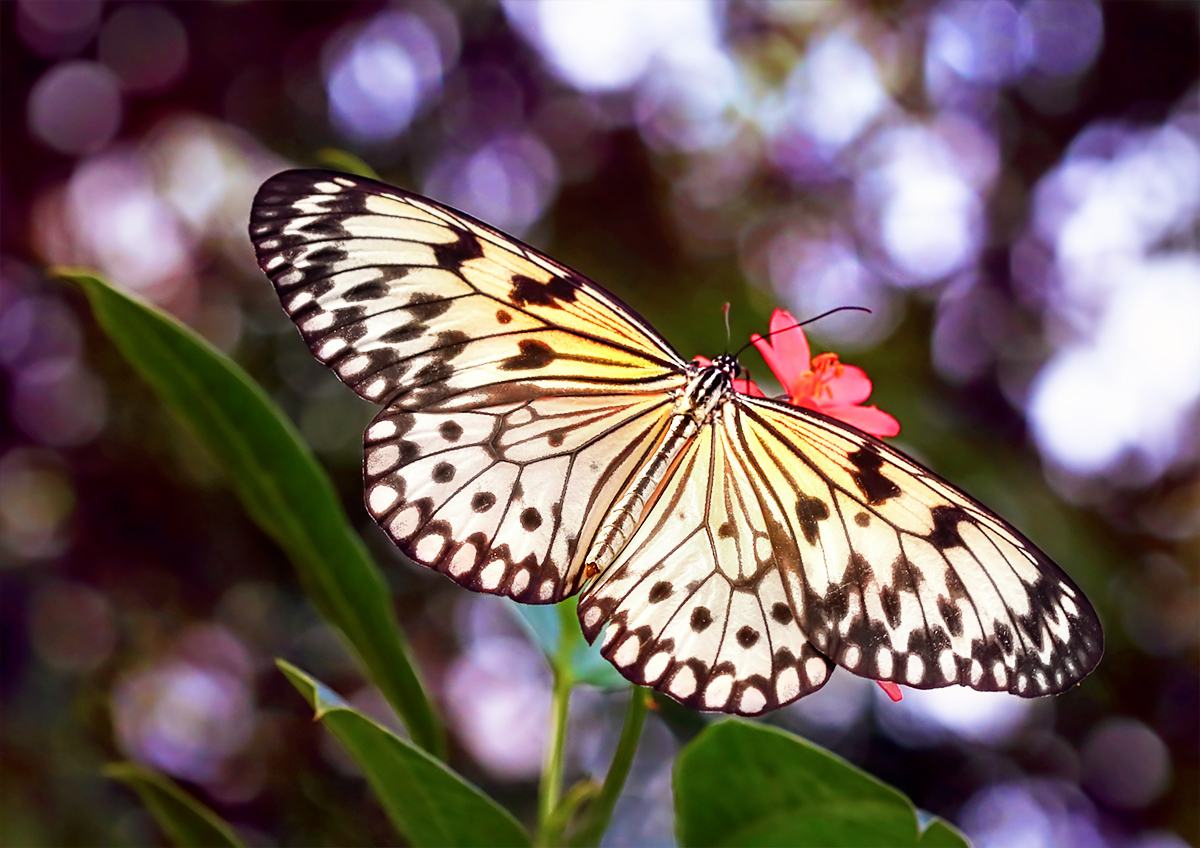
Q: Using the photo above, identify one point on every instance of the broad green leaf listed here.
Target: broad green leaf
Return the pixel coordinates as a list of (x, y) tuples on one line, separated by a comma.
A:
[(941, 834), (279, 482), (542, 623), (185, 820), (747, 784), (426, 801)]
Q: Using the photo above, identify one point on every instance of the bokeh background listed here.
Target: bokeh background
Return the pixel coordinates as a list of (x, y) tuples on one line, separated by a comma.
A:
[(1012, 187)]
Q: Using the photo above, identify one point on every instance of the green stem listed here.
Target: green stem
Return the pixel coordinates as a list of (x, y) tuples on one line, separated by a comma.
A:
[(550, 789), (601, 810)]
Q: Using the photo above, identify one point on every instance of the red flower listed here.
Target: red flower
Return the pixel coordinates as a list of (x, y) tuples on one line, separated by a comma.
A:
[(893, 691), (823, 384)]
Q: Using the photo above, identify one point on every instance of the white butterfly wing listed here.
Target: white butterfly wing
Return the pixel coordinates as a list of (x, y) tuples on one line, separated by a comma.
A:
[(791, 529), (402, 296), (520, 397), (906, 577), (697, 604), (506, 499)]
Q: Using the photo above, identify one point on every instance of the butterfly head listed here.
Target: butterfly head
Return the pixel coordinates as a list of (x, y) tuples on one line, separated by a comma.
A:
[(727, 364)]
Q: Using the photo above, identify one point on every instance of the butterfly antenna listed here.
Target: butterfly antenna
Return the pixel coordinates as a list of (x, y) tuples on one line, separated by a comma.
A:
[(728, 334), (807, 321)]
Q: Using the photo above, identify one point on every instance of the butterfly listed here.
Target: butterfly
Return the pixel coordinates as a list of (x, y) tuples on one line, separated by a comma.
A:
[(538, 439)]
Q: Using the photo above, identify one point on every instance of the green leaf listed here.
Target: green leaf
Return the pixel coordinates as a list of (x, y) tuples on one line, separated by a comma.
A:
[(587, 666), (427, 802), (185, 820), (344, 160), (279, 482), (747, 784), (941, 834)]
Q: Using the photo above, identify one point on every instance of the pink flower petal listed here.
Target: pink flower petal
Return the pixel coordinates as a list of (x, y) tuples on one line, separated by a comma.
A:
[(747, 387), (893, 691), (869, 419), (852, 387), (774, 361), (790, 344)]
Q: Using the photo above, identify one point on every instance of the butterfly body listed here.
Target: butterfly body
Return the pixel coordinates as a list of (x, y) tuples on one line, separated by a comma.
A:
[(694, 408), (537, 439)]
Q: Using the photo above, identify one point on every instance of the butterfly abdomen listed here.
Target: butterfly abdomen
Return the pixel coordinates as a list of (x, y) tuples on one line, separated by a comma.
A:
[(693, 407)]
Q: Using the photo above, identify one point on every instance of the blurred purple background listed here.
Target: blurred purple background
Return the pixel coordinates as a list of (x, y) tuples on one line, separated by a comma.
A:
[(1012, 187)]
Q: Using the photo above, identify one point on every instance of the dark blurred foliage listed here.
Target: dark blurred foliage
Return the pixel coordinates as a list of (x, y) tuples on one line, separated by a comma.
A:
[(1013, 189)]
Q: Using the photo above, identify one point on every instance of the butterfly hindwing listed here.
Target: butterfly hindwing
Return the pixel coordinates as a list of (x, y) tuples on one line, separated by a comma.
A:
[(696, 604), (905, 577), (505, 499)]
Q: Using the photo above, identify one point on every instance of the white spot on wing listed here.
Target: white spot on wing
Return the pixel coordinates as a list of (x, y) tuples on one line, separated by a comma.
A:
[(331, 347), (298, 300), (375, 388), (627, 654), (381, 459), (683, 682), (463, 561), (381, 430), (429, 548), (405, 522), (752, 701), (492, 574), (320, 321), (381, 498), (946, 662), (915, 669), (716, 693), (656, 665), (787, 684)]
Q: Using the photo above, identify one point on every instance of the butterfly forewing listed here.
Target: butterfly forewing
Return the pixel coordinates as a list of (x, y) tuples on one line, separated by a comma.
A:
[(537, 435), (398, 295), (905, 577)]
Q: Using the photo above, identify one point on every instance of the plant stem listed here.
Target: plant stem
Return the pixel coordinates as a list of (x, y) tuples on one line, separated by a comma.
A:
[(601, 810), (550, 789)]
